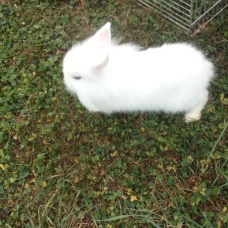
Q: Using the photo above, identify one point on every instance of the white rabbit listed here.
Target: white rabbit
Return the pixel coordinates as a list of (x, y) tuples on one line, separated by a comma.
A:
[(109, 78)]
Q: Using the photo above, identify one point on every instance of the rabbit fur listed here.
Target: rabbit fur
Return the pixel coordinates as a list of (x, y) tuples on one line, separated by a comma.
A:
[(109, 78)]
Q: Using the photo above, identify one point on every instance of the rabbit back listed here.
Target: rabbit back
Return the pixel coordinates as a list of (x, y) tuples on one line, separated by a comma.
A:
[(169, 78)]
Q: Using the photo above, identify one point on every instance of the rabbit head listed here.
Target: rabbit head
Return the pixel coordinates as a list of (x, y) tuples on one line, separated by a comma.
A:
[(86, 60)]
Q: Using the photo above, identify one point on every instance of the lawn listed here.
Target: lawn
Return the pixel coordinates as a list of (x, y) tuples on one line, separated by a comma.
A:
[(61, 166)]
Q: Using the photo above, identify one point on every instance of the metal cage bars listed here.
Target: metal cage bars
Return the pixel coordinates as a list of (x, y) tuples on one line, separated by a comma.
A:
[(188, 14)]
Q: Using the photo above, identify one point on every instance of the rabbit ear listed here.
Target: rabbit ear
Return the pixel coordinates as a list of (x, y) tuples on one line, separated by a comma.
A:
[(103, 37), (102, 40)]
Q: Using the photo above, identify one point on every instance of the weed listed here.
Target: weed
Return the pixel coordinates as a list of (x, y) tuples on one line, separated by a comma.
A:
[(62, 166)]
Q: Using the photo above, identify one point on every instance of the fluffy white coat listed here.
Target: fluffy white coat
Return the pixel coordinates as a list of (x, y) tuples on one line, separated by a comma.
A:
[(108, 77)]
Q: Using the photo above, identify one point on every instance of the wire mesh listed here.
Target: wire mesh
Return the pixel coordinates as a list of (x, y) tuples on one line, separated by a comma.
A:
[(188, 14)]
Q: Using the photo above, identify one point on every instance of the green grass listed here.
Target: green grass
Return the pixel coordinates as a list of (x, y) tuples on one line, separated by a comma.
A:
[(61, 166)]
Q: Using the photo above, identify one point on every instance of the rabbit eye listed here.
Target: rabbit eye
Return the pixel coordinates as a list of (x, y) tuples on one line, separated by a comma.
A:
[(77, 77)]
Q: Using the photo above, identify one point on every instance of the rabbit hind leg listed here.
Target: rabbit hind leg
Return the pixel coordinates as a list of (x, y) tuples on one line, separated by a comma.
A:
[(195, 113)]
